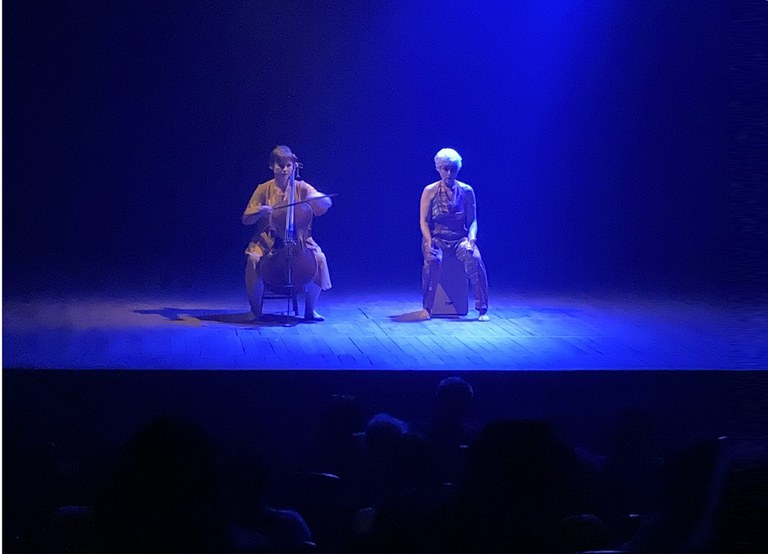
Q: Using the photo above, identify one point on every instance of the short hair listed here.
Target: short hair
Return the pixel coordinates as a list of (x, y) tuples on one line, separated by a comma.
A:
[(450, 155), (280, 155)]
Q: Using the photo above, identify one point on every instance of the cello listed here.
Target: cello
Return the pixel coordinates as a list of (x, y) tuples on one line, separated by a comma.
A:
[(289, 265)]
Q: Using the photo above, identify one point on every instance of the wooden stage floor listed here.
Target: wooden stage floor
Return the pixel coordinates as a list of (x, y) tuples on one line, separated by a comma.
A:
[(370, 331)]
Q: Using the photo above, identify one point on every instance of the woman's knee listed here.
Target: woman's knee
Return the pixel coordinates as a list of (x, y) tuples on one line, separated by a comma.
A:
[(471, 261)]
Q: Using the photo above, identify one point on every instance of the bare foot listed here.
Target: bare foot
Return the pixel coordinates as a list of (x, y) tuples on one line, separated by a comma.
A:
[(423, 315)]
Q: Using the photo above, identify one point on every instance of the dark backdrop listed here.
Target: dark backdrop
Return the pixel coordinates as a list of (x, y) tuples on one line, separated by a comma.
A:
[(594, 135)]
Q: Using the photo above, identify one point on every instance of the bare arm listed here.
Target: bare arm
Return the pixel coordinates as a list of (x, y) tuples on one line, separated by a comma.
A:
[(426, 200), (471, 211)]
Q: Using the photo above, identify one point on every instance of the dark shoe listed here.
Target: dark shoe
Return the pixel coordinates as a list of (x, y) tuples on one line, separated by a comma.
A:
[(314, 316)]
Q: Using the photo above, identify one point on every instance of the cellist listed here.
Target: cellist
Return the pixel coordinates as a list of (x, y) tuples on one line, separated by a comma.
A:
[(258, 212)]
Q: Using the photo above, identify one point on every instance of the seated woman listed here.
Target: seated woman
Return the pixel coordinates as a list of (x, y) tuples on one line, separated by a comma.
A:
[(448, 221), (258, 212)]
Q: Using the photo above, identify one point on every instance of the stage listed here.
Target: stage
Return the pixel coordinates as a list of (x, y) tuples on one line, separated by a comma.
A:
[(611, 156), (84, 373), (363, 331)]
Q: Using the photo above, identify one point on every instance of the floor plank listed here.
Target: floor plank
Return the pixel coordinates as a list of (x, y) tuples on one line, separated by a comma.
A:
[(371, 330)]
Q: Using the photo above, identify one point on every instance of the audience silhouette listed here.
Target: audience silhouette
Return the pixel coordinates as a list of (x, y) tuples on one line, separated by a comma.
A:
[(163, 496), (387, 485), (449, 431)]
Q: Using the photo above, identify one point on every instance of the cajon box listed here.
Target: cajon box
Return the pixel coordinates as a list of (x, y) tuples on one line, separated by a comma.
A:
[(452, 294)]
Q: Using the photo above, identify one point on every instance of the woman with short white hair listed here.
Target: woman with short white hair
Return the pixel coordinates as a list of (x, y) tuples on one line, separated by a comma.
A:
[(448, 221)]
